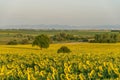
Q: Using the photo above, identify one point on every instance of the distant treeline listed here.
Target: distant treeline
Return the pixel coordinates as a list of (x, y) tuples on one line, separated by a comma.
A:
[(25, 37), (115, 31), (56, 38), (63, 37), (107, 38), (98, 38)]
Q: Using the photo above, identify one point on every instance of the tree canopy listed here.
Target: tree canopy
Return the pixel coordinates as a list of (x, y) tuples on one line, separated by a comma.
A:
[(107, 38), (41, 41)]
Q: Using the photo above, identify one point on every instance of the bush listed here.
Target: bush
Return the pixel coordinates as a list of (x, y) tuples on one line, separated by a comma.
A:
[(13, 42), (24, 41), (64, 49)]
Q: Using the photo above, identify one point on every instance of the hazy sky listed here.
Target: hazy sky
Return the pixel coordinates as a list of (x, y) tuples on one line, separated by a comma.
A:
[(69, 12)]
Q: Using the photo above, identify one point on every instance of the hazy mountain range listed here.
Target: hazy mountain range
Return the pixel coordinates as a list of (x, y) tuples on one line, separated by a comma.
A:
[(62, 27)]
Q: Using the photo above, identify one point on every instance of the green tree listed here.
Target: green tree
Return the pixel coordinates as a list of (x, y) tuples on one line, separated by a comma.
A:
[(41, 41)]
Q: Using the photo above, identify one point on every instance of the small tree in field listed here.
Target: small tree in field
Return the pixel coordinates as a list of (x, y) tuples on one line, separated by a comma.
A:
[(64, 49), (41, 41)]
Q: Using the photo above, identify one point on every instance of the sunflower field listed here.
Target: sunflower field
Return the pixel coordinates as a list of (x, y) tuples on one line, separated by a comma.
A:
[(87, 61)]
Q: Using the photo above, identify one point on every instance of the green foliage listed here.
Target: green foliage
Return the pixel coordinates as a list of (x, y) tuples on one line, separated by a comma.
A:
[(84, 39), (30, 37), (64, 37), (42, 41), (107, 38), (13, 42), (19, 35), (64, 49), (24, 41)]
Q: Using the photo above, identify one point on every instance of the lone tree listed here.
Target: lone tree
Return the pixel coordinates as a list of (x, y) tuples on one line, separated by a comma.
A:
[(64, 49), (41, 41)]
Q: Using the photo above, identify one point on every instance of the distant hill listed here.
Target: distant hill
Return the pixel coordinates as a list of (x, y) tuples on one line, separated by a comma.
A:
[(62, 27)]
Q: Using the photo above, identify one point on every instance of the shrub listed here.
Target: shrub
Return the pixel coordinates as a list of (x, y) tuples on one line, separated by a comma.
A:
[(64, 49), (24, 41), (13, 42)]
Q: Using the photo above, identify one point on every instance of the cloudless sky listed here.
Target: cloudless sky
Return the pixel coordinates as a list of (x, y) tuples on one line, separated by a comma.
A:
[(69, 12)]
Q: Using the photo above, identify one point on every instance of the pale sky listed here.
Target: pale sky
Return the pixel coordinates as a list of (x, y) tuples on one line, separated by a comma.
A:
[(65, 12)]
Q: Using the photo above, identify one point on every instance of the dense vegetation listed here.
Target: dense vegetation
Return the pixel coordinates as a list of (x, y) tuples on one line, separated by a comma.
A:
[(107, 38), (64, 37)]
